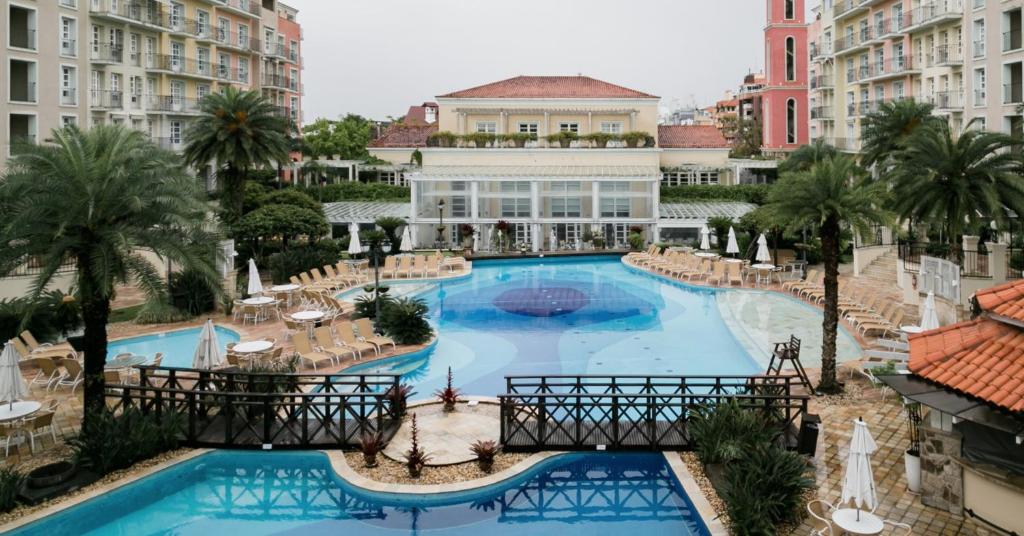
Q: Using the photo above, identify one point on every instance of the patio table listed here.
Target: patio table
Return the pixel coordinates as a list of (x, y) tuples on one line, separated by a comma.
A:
[(309, 318), (125, 362), (259, 300), (18, 410), (705, 255), (288, 289), (847, 520), (252, 347), (734, 261)]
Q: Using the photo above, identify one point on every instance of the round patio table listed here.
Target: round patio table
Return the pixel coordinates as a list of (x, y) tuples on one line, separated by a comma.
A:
[(705, 255), (18, 410), (285, 288), (868, 524), (734, 261), (763, 266), (125, 362), (309, 318), (259, 300), (252, 347)]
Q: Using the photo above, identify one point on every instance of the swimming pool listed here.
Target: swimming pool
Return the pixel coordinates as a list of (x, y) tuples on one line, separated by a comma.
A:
[(256, 493), (178, 346), (594, 315)]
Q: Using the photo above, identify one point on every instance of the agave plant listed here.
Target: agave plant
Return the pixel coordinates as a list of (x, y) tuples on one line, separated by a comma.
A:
[(485, 451), (415, 458), (371, 445), (449, 395)]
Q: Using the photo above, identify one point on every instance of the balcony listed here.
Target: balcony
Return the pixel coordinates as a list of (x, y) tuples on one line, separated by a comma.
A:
[(275, 50), (947, 56), (847, 145), (931, 14), (848, 8), (21, 26), (947, 100), (169, 144), (229, 39), (68, 47), (189, 28), (69, 96), (148, 14), (851, 76), (22, 82), (1011, 40), (106, 53), (180, 65), (980, 97), (1012, 93), (854, 41), (170, 104), (891, 68), (106, 99), (242, 7), (979, 49), (821, 81), (822, 113), (275, 81)]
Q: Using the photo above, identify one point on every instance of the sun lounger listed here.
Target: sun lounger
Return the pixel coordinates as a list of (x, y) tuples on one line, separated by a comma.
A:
[(306, 352), (366, 334), (348, 338), (326, 344)]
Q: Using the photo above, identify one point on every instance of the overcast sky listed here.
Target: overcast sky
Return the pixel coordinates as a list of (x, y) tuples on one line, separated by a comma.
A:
[(377, 57)]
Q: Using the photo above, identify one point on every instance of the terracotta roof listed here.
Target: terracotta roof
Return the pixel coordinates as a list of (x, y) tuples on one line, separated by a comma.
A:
[(549, 87), (691, 137), (404, 136), (1005, 300)]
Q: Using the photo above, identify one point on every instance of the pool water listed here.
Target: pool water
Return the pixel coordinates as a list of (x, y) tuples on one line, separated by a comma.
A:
[(254, 493), (594, 315), (178, 347)]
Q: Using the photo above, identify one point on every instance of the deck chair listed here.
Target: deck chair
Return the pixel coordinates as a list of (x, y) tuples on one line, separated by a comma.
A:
[(25, 353), (325, 341), (891, 325), (419, 266), (433, 268), (31, 341), (295, 280), (345, 271), (733, 273), (73, 376), (863, 307), (366, 334), (390, 267), (404, 267), (717, 273), (306, 352), (48, 373), (348, 338), (788, 286), (859, 317)]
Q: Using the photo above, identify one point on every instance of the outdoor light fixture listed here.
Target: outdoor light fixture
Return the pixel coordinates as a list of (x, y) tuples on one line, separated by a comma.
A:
[(440, 224), (378, 251)]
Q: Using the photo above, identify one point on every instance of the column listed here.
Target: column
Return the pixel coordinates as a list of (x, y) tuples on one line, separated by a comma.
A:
[(536, 237), (413, 187), (474, 201), (632, 121), (656, 235), (970, 249), (547, 124), (501, 122), (595, 200), (997, 262), (590, 122)]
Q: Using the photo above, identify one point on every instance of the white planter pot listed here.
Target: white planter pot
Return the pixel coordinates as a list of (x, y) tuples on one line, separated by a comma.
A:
[(913, 466)]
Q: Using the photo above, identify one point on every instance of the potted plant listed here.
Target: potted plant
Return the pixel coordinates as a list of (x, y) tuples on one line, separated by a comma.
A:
[(588, 236), (415, 458), (485, 451), (598, 242), (398, 399), (449, 395), (442, 139), (562, 139), (599, 139), (480, 139), (466, 232), (912, 456), (371, 445), (502, 228)]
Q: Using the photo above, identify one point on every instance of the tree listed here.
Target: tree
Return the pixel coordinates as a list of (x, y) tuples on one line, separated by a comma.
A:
[(390, 225), (960, 179), (745, 135), (804, 158), (346, 139), (831, 194), (885, 129), (238, 131), (284, 221), (102, 198)]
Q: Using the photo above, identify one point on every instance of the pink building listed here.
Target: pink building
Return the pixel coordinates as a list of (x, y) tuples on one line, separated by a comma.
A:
[(785, 114)]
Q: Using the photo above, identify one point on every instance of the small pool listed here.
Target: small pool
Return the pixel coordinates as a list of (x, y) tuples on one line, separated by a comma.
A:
[(252, 493), (178, 346)]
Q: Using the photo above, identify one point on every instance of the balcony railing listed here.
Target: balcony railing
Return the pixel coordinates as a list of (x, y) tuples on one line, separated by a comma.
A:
[(236, 40), (69, 47), (979, 49), (947, 100), (172, 104), (23, 92), (251, 7), (854, 40), (140, 12), (822, 112), (69, 96), (844, 7), (169, 144), (107, 53), (821, 81), (1012, 93), (980, 97), (23, 38), (933, 13), (275, 80), (890, 67), (180, 65), (1011, 40), (948, 55), (106, 99)]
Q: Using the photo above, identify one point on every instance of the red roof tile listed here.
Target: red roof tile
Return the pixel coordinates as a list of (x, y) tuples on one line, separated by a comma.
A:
[(404, 136), (1004, 300), (691, 137), (983, 358), (549, 87)]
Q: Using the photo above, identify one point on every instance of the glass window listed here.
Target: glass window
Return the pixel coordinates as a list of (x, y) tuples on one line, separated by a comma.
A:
[(615, 186), (614, 207), (489, 127), (565, 207), (515, 186), (790, 59), (528, 128), (570, 186), (790, 10), (791, 121), (515, 208), (569, 126), (175, 132), (611, 127)]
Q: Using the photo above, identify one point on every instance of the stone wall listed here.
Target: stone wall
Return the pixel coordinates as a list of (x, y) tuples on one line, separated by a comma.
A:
[(942, 483)]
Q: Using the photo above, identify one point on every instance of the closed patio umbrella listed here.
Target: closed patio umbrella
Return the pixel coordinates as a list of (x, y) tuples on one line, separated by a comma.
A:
[(354, 246), (763, 255), (554, 240), (406, 240), (929, 318), (208, 354), (490, 238), (732, 247), (255, 287), (705, 243), (859, 481), (12, 383), (476, 238)]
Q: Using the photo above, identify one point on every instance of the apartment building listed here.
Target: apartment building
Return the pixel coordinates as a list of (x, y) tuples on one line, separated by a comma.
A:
[(146, 64), (867, 52)]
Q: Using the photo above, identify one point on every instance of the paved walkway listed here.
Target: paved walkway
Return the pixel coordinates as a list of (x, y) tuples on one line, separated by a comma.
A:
[(446, 437)]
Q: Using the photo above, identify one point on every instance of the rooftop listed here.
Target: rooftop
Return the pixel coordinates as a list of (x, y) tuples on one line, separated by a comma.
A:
[(405, 136), (364, 211), (549, 87), (703, 210), (691, 137)]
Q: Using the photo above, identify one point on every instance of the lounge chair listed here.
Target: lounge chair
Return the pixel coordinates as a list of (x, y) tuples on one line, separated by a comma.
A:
[(306, 352), (818, 294), (326, 343), (404, 267), (451, 262), (367, 334), (32, 343), (733, 273), (344, 281), (433, 267), (419, 266), (859, 317), (295, 280), (789, 285), (390, 267), (891, 325), (323, 282), (846, 309), (49, 373), (25, 353), (717, 273), (345, 271), (73, 377), (348, 338)]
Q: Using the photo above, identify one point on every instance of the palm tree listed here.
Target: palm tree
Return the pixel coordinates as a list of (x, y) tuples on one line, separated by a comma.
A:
[(101, 199), (238, 131), (957, 180), (830, 195), (884, 130), (806, 156)]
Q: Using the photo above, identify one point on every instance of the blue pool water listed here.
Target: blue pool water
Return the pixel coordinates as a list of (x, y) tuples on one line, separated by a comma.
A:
[(178, 347), (251, 493), (594, 315)]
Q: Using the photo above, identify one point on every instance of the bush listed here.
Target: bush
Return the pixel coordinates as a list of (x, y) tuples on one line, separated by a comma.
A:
[(158, 311), (11, 481), (747, 193), (562, 138), (359, 191), (405, 321), (725, 432), (442, 139), (300, 259), (55, 314), (638, 139), (766, 488), (481, 139), (290, 196), (636, 241), (366, 305), (600, 139), (108, 442), (191, 293)]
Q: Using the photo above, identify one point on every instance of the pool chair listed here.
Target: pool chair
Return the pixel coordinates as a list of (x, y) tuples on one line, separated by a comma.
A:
[(49, 373), (295, 280), (323, 282), (817, 282), (789, 285), (366, 334), (846, 308), (816, 294), (304, 349), (451, 262), (41, 424), (348, 338), (33, 344), (404, 267), (859, 317), (9, 431), (419, 266), (25, 353), (883, 327), (73, 377), (820, 512), (326, 343), (433, 267), (389, 268), (345, 277), (734, 274), (345, 270), (717, 273)]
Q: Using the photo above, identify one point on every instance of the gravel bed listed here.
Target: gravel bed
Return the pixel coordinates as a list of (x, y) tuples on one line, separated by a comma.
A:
[(392, 472), (697, 470)]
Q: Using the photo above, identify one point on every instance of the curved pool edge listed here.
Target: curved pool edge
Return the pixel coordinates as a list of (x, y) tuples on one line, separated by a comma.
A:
[(199, 326)]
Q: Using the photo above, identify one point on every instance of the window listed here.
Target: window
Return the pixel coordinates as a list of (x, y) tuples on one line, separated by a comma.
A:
[(68, 37), (979, 124), (243, 36), (68, 86), (569, 126), (979, 87), (611, 127), (202, 22), (177, 15), (515, 186), (686, 177), (570, 186), (897, 17), (614, 186), (177, 55), (68, 121), (790, 59), (515, 208), (203, 61), (979, 38), (202, 91), (528, 128), (223, 29), (790, 10), (243, 70), (487, 127), (223, 65), (565, 207), (175, 132), (898, 90), (791, 121), (615, 207)]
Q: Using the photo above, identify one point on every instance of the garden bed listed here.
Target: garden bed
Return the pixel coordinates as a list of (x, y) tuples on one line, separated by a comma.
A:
[(389, 471)]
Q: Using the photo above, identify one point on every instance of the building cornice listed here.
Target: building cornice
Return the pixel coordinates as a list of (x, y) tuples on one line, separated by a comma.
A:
[(452, 101)]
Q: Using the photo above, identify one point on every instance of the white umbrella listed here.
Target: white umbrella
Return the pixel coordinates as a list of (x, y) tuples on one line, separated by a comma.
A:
[(554, 240), (255, 287), (406, 240), (705, 244), (476, 235), (929, 318), (490, 238), (208, 354), (12, 383), (354, 247), (732, 247), (859, 481), (763, 255)]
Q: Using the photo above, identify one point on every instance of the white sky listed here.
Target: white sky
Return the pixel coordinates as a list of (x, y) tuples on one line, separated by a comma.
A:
[(377, 57)]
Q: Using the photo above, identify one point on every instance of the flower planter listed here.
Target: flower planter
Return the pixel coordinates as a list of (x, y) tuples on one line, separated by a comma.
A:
[(51, 475), (912, 463)]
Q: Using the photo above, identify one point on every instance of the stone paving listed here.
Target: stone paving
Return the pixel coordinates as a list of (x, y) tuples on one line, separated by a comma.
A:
[(447, 436)]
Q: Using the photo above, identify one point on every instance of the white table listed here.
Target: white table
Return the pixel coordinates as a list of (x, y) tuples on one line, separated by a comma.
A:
[(259, 300), (291, 287), (868, 524), (705, 255), (734, 261), (18, 410), (308, 316), (763, 266), (252, 347)]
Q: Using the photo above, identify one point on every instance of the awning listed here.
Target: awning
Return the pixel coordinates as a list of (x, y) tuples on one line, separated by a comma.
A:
[(533, 172), (364, 211), (947, 401), (701, 211)]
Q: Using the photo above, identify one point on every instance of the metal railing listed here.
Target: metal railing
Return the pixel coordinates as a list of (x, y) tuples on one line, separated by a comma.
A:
[(633, 412), (106, 98), (1012, 93), (107, 52), (947, 100), (172, 104), (821, 81), (890, 67), (1011, 40), (249, 6), (974, 264), (149, 13), (180, 65), (69, 47), (877, 237), (948, 55), (933, 12), (1015, 263), (233, 39), (24, 38), (822, 112), (31, 265)]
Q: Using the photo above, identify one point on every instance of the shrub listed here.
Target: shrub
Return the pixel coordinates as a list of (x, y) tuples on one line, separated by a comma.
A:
[(300, 259), (390, 225), (485, 451), (371, 445), (290, 196), (415, 458), (359, 191), (158, 311), (636, 241), (765, 488), (192, 293), (638, 139), (11, 481), (562, 138), (416, 158), (726, 431), (442, 139), (600, 139), (405, 321), (747, 193), (481, 139), (366, 305), (449, 395), (517, 138), (108, 441), (399, 399), (54, 314)]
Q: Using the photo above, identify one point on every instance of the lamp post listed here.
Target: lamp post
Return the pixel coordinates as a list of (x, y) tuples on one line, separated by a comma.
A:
[(440, 225), (377, 253)]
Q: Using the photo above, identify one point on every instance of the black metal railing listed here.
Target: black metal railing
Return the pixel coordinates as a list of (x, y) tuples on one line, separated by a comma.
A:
[(33, 266), (1015, 263), (974, 264), (263, 410), (633, 412), (876, 237)]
